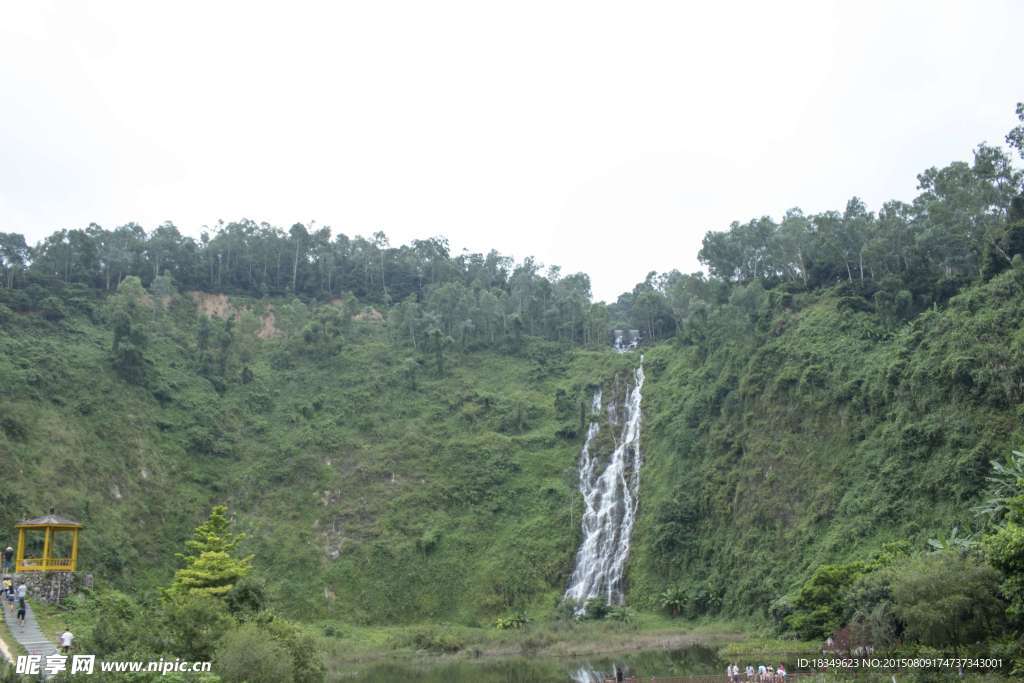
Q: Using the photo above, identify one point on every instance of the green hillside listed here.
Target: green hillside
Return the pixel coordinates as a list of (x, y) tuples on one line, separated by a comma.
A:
[(375, 489), (371, 487), (814, 432)]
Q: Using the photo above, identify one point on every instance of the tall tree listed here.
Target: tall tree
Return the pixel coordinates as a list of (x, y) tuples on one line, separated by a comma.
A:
[(14, 255), (211, 568)]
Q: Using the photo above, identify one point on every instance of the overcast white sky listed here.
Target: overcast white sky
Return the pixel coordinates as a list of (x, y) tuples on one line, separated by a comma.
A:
[(603, 137)]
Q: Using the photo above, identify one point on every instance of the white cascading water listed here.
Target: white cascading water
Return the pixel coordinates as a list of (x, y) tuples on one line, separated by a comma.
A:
[(610, 500), (587, 674)]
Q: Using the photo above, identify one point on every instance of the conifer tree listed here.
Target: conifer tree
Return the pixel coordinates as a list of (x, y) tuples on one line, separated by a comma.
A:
[(210, 568)]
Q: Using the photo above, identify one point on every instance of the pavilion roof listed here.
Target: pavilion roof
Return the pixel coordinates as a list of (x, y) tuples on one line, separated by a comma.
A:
[(49, 520)]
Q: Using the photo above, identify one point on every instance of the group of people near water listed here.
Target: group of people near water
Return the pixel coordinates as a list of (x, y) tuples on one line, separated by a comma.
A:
[(763, 674)]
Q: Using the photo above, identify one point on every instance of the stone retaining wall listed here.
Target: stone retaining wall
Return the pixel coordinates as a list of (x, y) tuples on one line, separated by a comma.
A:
[(50, 586)]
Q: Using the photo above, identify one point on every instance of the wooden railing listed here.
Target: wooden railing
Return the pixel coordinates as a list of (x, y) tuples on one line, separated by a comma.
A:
[(49, 564)]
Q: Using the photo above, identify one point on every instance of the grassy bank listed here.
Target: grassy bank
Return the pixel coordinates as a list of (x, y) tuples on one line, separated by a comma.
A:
[(557, 638)]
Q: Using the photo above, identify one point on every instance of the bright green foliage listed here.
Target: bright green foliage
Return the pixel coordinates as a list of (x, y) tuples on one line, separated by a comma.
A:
[(1004, 545), (674, 601), (820, 605), (210, 568), (1005, 550), (512, 621), (1005, 488), (211, 573), (213, 535)]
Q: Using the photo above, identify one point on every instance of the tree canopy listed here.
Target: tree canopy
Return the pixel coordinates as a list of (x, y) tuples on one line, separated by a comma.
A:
[(966, 223)]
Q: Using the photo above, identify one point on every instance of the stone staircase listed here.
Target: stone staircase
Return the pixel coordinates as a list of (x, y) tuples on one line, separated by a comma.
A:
[(28, 634)]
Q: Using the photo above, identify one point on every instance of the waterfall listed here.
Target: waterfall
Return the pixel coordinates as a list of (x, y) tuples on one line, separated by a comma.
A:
[(587, 674), (610, 499)]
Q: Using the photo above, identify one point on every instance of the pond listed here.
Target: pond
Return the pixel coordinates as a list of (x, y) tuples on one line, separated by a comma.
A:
[(695, 660)]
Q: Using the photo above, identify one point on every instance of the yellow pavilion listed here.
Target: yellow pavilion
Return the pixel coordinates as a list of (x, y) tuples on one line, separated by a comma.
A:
[(59, 544)]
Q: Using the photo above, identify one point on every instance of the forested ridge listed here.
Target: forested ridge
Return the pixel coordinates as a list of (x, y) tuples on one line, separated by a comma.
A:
[(964, 225), (395, 428)]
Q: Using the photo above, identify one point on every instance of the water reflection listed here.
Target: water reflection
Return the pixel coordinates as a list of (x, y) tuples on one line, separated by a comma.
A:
[(691, 661)]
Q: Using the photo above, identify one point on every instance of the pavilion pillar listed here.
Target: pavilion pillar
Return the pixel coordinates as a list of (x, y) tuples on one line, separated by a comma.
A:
[(74, 549), (46, 548), (21, 550)]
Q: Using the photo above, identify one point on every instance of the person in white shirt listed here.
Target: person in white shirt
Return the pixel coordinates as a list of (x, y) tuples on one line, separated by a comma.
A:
[(66, 639), (22, 591)]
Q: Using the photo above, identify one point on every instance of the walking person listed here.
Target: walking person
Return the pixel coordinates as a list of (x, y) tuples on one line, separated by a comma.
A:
[(8, 559), (66, 639), (21, 611)]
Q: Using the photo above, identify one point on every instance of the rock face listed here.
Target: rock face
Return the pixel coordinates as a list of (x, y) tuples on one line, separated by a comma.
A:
[(51, 586)]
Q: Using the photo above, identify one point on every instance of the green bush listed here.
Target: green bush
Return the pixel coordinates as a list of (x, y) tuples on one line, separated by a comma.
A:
[(674, 601), (249, 655), (306, 659), (820, 606), (438, 640), (52, 309), (622, 615), (595, 608), (947, 599), (512, 621)]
